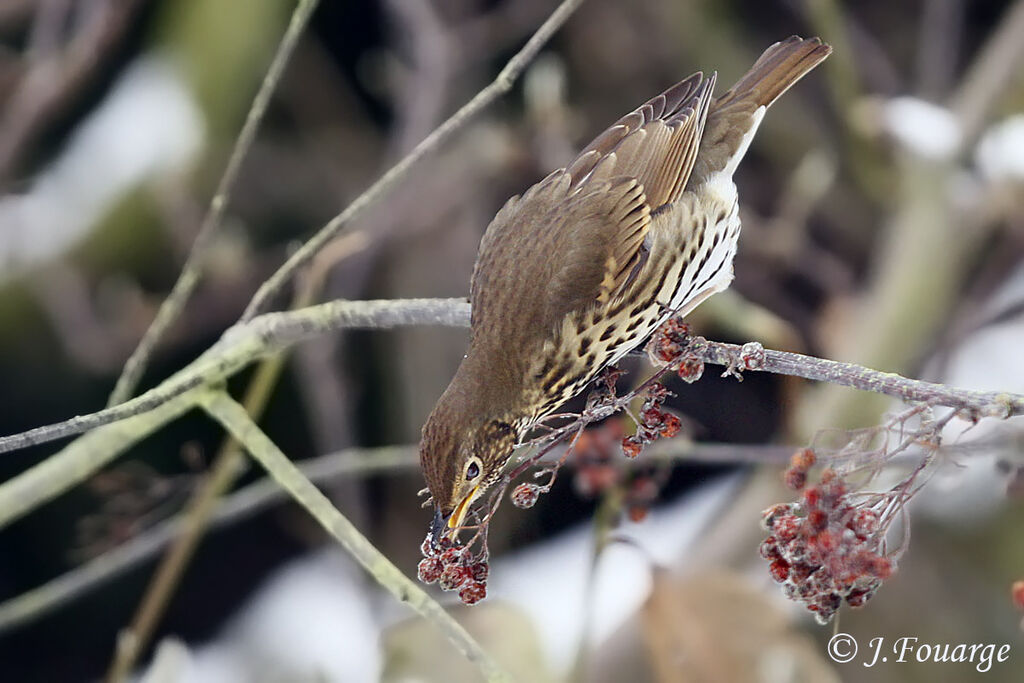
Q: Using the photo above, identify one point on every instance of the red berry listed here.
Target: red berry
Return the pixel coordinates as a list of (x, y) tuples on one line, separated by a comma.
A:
[(799, 572), (779, 570), (803, 459), (881, 567), (786, 528), (479, 571), (863, 523), (631, 446), (429, 570), (769, 516), (637, 513), (769, 549), (651, 416), (858, 596), (752, 356), (826, 542), (1017, 593), (473, 592), (670, 426), (794, 479), (812, 497), (817, 520), (525, 495), (453, 576), (451, 556), (427, 548), (657, 393), (690, 370)]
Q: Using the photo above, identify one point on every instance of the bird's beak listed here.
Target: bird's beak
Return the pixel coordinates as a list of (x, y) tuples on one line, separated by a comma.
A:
[(459, 514)]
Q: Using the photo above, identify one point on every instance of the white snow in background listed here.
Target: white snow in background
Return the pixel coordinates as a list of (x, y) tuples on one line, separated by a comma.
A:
[(548, 581), (149, 125), (321, 615), (312, 620), (971, 488), (927, 129), (1000, 153)]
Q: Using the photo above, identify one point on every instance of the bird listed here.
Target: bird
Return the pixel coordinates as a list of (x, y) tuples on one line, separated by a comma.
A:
[(584, 266)]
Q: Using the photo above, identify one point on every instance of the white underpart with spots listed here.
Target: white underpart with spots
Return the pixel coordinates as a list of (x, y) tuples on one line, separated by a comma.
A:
[(716, 274)]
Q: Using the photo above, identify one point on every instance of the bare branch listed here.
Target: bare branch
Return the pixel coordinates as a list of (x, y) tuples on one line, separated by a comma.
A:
[(273, 332), (233, 417), (247, 342), (191, 272), (240, 346), (248, 501), (258, 496), (386, 183), (994, 67), (976, 404)]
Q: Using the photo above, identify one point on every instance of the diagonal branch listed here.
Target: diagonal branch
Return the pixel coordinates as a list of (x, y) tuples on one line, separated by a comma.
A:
[(500, 85), (233, 417), (271, 333), (246, 502), (237, 348), (752, 356), (187, 281), (244, 343)]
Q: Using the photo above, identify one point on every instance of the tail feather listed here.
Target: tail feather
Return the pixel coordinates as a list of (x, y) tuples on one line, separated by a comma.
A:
[(735, 115), (774, 72)]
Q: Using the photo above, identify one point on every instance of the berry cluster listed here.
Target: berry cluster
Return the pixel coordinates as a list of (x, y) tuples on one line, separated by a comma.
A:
[(642, 491), (669, 344), (654, 423), (795, 476), (596, 467), (825, 548), (453, 567)]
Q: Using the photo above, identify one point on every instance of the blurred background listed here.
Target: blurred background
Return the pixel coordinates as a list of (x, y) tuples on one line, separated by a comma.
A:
[(883, 224)]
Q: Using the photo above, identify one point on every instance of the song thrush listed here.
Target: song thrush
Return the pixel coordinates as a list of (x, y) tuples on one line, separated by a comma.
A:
[(587, 263)]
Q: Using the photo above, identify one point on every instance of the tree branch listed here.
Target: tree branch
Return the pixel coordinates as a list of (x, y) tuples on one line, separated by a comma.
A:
[(273, 332), (191, 272), (116, 429), (37, 602), (251, 500), (500, 85), (233, 417), (244, 343), (976, 404)]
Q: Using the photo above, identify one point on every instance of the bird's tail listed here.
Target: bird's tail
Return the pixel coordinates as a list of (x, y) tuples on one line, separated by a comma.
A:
[(774, 72), (735, 115)]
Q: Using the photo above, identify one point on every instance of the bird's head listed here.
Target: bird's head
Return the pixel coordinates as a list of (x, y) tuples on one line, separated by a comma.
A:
[(460, 461)]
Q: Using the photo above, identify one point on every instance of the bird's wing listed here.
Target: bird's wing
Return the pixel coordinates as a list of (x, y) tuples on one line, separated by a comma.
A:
[(656, 143), (558, 248), (577, 237)]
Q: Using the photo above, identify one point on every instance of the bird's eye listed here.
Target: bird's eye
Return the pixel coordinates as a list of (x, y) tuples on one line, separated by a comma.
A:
[(472, 470)]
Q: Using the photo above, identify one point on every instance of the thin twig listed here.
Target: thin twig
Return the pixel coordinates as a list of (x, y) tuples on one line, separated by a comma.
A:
[(233, 417), (246, 502), (192, 271), (242, 344), (273, 332), (500, 85), (226, 467), (224, 471), (975, 404), (991, 72)]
